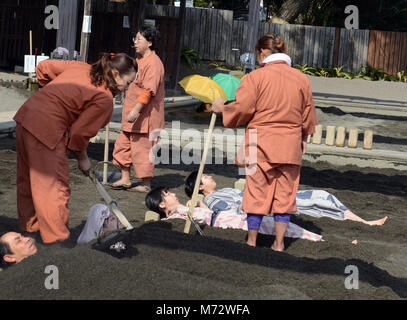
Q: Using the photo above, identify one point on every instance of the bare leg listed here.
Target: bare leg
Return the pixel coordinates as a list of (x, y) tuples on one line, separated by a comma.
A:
[(281, 228), (349, 215), (252, 237), (144, 187), (125, 179)]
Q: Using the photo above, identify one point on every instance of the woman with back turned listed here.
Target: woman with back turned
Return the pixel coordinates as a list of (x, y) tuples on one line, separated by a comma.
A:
[(275, 102)]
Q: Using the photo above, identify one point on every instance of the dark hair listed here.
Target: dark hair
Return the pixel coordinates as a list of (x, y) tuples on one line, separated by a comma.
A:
[(272, 42), (190, 183), (4, 249), (101, 70), (153, 200), (151, 34)]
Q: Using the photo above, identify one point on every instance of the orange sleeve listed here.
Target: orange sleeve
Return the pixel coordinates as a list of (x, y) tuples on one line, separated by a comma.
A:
[(95, 116), (309, 114), (152, 76), (241, 111), (48, 70), (144, 97)]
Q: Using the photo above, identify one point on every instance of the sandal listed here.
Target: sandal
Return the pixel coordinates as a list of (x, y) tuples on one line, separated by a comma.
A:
[(141, 188), (119, 186)]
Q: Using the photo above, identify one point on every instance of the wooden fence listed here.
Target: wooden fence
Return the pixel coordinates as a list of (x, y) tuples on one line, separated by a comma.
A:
[(388, 51), (15, 23), (212, 33), (216, 36)]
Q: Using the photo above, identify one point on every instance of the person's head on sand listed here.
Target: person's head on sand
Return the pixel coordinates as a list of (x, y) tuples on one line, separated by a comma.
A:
[(162, 201), (207, 186), (15, 247)]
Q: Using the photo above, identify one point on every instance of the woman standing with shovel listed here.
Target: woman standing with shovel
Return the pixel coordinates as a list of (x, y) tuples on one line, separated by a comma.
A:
[(276, 103), (76, 101)]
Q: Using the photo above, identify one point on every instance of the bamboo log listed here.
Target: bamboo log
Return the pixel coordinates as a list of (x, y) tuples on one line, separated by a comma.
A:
[(317, 136), (239, 184), (330, 135), (368, 139), (353, 138), (340, 136)]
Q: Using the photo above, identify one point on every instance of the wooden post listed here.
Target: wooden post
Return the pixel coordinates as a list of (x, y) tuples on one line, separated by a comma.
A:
[(86, 30), (317, 136), (68, 16), (136, 15), (336, 46), (30, 75), (253, 28), (353, 138), (330, 135), (106, 155), (199, 175), (340, 137), (368, 139), (178, 45)]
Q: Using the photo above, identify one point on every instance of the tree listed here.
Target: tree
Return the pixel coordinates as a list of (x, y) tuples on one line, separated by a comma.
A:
[(291, 9)]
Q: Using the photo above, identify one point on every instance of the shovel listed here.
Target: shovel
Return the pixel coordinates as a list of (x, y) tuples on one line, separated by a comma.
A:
[(198, 179), (116, 235)]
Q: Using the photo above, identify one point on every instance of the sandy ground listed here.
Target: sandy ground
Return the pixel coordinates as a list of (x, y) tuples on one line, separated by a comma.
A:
[(164, 263)]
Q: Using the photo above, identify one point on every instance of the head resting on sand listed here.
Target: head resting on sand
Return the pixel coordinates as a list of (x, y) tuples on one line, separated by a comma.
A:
[(207, 186), (15, 247), (162, 201)]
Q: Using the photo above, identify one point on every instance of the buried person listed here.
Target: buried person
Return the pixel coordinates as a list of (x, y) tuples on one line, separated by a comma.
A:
[(15, 247), (314, 203), (167, 205)]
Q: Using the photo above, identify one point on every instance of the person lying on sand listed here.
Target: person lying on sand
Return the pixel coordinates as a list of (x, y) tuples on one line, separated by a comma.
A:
[(15, 247), (167, 205), (314, 203)]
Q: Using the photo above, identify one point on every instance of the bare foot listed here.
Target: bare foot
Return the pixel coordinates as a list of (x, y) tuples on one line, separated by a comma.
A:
[(121, 184), (279, 248), (379, 222), (251, 244)]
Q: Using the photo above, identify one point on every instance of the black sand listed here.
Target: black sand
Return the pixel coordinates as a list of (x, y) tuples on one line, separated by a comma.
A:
[(164, 263)]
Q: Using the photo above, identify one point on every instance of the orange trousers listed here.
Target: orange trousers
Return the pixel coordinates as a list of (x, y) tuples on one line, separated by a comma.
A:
[(135, 149), (42, 187), (272, 188)]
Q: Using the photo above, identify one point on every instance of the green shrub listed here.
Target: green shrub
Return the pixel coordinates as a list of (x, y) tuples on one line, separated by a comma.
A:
[(366, 73), (190, 57)]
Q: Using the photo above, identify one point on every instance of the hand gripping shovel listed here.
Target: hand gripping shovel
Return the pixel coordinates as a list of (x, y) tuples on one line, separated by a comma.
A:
[(117, 235)]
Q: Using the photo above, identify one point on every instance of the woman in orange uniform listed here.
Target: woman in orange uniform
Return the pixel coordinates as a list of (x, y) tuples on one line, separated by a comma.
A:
[(76, 101), (275, 102), (142, 115)]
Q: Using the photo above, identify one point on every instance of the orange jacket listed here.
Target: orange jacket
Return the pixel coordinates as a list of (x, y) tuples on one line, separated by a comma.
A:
[(67, 106), (276, 100), (150, 78)]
